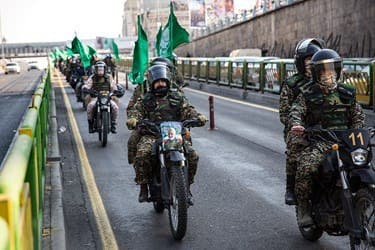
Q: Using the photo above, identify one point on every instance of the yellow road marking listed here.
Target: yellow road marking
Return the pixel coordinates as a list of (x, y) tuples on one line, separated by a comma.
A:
[(105, 230), (235, 101)]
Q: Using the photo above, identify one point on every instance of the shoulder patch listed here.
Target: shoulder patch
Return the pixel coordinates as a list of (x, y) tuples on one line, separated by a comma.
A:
[(346, 91), (293, 80)]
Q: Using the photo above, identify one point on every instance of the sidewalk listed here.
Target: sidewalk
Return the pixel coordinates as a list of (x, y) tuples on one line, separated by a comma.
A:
[(53, 229)]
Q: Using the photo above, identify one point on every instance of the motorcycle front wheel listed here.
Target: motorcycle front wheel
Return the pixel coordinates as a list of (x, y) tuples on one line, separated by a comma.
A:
[(177, 210), (105, 127), (310, 233), (364, 204)]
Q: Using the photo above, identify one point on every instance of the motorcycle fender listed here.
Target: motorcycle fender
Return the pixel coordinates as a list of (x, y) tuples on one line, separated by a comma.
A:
[(105, 107), (176, 156), (165, 191), (367, 175)]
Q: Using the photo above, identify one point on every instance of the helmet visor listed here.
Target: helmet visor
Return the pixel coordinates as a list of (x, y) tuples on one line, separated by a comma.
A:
[(327, 74), (100, 70)]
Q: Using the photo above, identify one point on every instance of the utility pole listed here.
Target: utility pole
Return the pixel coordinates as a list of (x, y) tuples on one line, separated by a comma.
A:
[(2, 38)]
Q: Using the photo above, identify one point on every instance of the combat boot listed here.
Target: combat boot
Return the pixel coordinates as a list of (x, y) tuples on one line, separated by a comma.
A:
[(143, 194), (290, 197), (304, 214), (189, 197), (113, 127), (91, 126)]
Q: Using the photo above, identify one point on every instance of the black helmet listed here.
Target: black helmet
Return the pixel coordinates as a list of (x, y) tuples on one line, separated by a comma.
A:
[(323, 60), (120, 90), (162, 60), (100, 68), (304, 49), (157, 72)]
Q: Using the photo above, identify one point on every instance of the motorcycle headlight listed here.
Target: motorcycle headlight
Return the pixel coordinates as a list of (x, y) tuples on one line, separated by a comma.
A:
[(359, 156), (103, 100)]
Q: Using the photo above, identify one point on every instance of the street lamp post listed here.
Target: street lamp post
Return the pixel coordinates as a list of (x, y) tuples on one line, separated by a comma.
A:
[(2, 38)]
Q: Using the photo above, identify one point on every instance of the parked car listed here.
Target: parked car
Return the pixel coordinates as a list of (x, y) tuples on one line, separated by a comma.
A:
[(12, 67), (32, 65)]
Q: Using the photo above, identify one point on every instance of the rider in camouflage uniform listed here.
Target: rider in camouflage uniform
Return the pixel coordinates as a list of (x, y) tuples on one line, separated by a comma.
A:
[(177, 82), (100, 81), (323, 102), (160, 104), (305, 49)]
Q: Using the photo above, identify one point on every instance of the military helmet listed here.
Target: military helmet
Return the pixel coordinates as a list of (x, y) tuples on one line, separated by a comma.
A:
[(306, 48), (100, 68), (162, 60), (120, 90), (157, 72), (323, 61)]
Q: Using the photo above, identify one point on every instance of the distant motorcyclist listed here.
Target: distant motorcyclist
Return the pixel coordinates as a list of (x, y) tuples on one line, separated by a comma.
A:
[(160, 104), (111, 64), (100, 81), (326, 103), (290, 89)]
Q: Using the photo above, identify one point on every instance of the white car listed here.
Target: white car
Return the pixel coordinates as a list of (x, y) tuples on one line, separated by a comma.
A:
[(32, 65), (12, 67)]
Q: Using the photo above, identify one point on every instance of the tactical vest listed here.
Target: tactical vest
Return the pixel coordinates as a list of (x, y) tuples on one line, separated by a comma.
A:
[(295, 83), (101, 83), (330, 111), (165, 108)]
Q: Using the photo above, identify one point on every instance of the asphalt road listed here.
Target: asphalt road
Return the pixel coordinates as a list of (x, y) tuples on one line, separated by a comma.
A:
[(238, 191), (15, 95)]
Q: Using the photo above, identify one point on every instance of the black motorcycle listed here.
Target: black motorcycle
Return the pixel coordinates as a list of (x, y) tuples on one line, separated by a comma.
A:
[(343, 195), (169, 186), (102, 115)]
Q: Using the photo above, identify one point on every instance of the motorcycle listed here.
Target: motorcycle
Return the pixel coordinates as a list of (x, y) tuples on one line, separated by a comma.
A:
[(343, 195), (80, 94), (102, 115), (169, 185), (74, 79)]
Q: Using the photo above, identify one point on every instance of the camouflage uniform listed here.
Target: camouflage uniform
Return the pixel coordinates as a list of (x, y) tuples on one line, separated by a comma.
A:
[(177, 82), (289, 93), (100, 83), (135, 136), (172, 107), (337, 110)]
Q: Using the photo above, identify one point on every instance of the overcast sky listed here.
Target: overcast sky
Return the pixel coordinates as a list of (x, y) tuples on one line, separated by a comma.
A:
[(57, 20)]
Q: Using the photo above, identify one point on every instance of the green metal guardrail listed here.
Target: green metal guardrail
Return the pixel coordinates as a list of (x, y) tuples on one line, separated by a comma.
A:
[(22, 176), (266, 74)]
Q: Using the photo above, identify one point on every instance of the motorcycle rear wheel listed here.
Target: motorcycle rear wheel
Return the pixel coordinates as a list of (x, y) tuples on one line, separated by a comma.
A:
[(105, 128), (311, 233), (364, 205), (177, 210)]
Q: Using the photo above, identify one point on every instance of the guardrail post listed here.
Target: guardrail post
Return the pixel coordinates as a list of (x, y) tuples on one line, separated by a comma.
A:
[(212, 116), (126, 81)]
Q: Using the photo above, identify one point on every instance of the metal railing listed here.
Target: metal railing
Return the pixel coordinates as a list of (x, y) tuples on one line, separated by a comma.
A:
[(266, 74), (22, 177)]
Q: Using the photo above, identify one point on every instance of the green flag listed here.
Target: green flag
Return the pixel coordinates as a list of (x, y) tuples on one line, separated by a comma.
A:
[(115, 50), (68, 51), (83, 51), (91, 50), (109, 43), (158, 38), (60, 54), (173, 35), (140, 56)]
